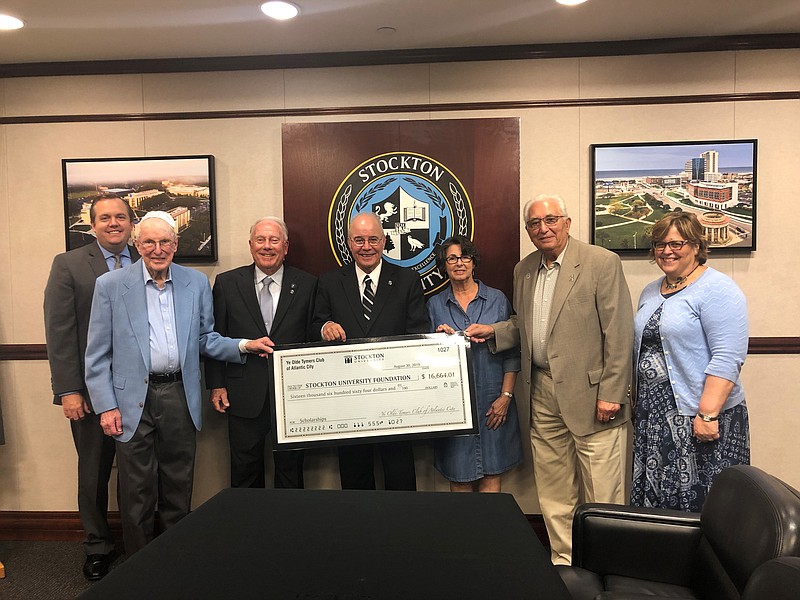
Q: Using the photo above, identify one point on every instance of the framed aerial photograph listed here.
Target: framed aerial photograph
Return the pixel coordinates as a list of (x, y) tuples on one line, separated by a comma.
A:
[(183, 186), (634, 185)]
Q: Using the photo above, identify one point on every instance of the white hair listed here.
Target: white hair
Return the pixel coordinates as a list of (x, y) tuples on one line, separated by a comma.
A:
[(279, 222), (163, 218), (554, 198)]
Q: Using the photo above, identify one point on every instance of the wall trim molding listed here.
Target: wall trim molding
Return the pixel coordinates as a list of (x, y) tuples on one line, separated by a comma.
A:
[(23, 352), (774, 345), (758, 345), (775, 41), (510, 105), (60, 526)]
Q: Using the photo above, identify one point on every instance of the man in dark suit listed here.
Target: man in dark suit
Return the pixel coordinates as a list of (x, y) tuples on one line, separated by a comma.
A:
[(264, 298), (67, 302), (371, 298)]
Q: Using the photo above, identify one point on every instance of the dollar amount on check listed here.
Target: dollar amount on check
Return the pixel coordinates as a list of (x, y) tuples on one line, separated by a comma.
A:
[(395, 387)]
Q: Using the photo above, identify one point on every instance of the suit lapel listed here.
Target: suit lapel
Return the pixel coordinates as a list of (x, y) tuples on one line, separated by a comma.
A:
[(529, 285), (96, 260), (384, 291), (568, 274), (133, 295), (288, 288), (247, 290), (183, 297)]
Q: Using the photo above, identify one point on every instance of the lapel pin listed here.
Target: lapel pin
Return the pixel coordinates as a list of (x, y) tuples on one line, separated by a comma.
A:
[(291, 288), (572, 278), (390, 282)]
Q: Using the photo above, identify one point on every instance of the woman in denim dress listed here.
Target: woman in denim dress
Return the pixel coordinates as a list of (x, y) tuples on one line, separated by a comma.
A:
[(472, 462)]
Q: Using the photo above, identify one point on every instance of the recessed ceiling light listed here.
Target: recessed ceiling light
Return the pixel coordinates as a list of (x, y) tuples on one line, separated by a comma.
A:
[(280, 10), (7, 22), (570, 2)]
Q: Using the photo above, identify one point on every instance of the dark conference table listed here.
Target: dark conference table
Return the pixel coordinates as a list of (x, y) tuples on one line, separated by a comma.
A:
[(342, 545)]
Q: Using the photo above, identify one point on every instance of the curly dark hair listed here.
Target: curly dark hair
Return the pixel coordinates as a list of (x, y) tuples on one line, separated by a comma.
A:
[(467, 249)]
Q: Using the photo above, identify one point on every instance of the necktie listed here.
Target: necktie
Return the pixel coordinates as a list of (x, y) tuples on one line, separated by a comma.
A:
[(117, 261), (265, 300), (369, 298)]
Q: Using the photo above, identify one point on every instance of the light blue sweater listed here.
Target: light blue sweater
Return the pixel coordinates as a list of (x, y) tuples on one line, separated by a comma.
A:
[(704, 331)]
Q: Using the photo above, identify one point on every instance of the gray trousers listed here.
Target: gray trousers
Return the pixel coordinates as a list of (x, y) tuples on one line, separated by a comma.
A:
[(156, 466)]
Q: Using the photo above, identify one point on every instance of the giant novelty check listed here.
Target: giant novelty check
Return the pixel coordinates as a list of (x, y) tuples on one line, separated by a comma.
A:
[(416, 386)]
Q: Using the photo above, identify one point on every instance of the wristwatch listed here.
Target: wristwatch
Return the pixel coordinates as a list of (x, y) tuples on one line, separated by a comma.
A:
[(707, 418), (509, 394)]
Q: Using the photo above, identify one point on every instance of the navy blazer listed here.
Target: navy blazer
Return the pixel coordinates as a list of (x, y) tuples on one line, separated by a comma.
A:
[(237, 314), (399, 307)]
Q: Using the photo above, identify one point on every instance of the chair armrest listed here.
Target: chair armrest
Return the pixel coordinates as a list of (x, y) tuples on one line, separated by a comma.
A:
[(776, 579), (644, 543)]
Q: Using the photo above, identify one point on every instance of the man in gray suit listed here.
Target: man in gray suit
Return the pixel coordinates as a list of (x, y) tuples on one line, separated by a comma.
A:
[(67, 302), (575, 323)]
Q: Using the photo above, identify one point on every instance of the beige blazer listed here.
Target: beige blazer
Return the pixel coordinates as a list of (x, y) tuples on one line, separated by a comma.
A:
[(590, 334)]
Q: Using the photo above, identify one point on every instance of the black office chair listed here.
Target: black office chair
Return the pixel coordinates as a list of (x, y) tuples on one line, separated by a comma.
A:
[(776, 579), (630, 553)]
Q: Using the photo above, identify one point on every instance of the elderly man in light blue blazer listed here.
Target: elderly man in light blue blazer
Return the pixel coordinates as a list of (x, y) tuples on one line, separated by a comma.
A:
[(149, 324)]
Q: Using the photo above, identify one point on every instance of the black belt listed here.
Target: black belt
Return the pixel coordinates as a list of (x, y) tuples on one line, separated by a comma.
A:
[(165, 377)]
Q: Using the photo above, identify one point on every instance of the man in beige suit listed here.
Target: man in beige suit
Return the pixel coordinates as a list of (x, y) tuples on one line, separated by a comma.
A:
[(575, 324)]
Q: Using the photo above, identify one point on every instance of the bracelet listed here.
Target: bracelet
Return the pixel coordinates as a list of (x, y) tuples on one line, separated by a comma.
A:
[(707, 418), (509, 394)]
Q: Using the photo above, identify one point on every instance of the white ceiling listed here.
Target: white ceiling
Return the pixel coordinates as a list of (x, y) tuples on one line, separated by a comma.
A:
[(74, 30)]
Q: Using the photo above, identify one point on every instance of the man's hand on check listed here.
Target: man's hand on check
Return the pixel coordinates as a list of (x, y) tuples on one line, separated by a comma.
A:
[(478, 333), (333, 331)]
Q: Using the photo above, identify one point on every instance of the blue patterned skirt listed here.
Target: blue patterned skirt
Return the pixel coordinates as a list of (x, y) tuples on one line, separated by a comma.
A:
[(671, 469)]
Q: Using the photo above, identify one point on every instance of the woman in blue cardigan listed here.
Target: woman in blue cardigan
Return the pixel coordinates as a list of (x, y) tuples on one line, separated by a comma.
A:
[(691, 342)]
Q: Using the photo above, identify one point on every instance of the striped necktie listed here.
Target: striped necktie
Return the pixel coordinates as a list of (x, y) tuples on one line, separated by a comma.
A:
[(368, 300)]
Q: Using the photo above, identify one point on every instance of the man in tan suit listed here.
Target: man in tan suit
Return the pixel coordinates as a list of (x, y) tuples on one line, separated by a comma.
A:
[(575, 324)]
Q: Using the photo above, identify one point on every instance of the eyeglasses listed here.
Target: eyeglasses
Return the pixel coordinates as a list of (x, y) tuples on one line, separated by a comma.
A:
[(549, 220), (372, 241), (674, 245), (151, 244), (453, 259)]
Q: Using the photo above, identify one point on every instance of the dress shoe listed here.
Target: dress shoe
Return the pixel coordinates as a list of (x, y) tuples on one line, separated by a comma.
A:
[(96, 566)]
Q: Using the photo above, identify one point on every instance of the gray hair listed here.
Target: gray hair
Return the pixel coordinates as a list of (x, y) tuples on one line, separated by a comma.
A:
[(555, 198), (279, 222)]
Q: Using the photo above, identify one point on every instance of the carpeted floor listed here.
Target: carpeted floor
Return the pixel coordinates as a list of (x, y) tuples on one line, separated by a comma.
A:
[(43, 570)]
